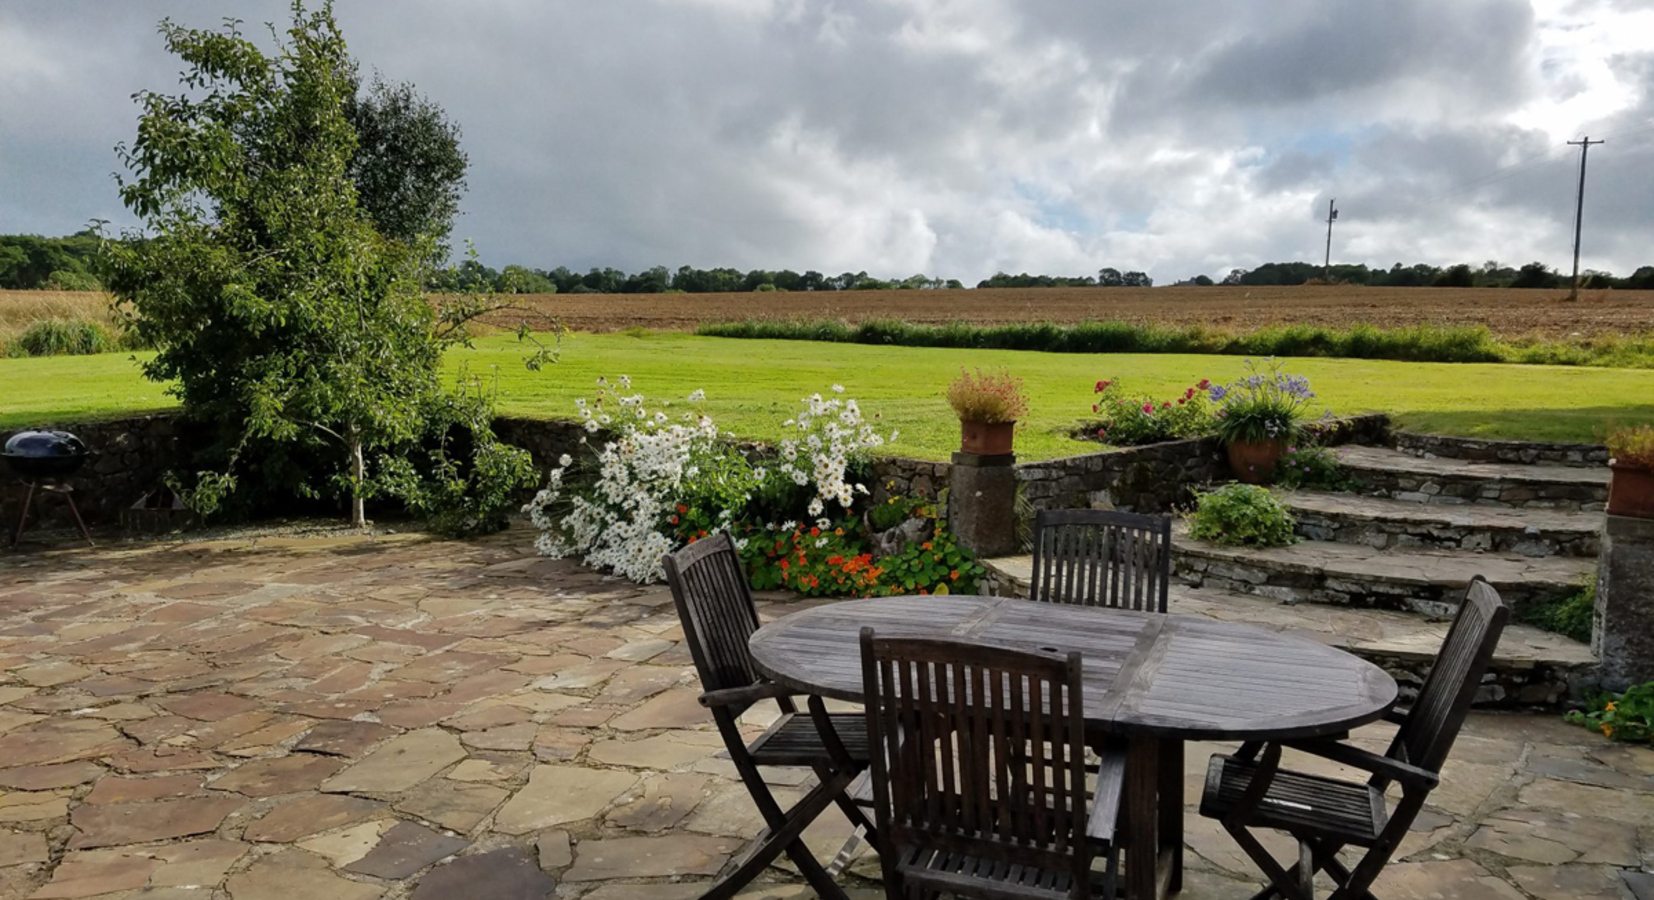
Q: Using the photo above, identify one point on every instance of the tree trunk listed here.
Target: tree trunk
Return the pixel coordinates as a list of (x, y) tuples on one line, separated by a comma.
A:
[(358, 475)]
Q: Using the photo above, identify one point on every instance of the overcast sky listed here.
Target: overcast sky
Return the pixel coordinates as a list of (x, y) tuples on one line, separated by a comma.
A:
[(950, 137)]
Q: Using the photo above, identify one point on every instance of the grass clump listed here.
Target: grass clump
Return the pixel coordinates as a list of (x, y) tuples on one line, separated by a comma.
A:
[(1243, 515), (1419, 343), (64, 337)]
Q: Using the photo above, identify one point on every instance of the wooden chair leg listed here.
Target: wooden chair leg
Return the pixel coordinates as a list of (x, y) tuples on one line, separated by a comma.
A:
[(783, 837), (1282, 881)]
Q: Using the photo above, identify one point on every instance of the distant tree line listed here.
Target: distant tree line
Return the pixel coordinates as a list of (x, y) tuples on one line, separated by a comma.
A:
[(1488, 274), (28, 262), (70, 264), (471, 275)]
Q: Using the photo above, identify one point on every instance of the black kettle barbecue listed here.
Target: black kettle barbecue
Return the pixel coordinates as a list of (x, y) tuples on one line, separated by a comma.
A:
[(42, 459)]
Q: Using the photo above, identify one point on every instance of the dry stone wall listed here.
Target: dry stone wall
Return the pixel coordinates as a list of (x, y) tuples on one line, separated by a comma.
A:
[(129, 458)]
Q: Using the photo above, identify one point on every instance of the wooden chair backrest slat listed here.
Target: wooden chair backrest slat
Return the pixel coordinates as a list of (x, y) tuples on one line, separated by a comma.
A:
[(1102, 558), (716, 609), (978, 751), (1439, 712)]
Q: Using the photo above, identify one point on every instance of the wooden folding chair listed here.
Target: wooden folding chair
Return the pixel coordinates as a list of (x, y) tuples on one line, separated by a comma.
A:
[(1093, 557), (1326, 815), (979, 777), (715, 606)]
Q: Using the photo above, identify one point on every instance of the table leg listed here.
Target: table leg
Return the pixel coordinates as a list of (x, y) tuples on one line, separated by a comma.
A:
[(1142, 818), (1171, 809)]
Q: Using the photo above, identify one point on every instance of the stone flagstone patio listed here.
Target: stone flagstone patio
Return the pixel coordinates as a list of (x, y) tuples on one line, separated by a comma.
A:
[(271, 718)]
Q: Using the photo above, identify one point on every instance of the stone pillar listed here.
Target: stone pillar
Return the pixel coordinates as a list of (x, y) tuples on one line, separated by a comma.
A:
[(982, 496), (1622, 632)]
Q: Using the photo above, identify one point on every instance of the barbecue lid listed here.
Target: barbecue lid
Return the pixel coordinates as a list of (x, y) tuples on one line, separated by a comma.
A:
[(44, 445)]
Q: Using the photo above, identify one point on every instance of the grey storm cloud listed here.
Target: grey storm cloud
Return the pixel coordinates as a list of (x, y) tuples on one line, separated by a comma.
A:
[(952, 137)]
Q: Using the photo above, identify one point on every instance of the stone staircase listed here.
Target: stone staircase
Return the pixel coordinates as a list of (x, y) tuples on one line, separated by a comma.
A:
[(1381, 571)]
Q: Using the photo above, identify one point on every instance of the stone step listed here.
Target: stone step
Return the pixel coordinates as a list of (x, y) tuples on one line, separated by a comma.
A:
[(1458, 482), (1420, 580), (1487, 450), (1530, 668), (1383, 523)]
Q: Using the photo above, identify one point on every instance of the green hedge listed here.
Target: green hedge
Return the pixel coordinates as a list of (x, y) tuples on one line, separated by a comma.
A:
[(1420, 343)]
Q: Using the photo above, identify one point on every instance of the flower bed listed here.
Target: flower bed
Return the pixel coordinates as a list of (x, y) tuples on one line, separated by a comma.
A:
[(798, 512)]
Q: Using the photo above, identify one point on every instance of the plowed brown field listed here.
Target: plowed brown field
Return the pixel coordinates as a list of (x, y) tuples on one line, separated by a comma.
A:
[(1510, 313)]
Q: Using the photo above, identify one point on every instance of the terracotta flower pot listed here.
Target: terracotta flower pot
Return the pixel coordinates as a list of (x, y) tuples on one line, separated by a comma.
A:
[(986, 438), (1254, 461), (1631, 491)]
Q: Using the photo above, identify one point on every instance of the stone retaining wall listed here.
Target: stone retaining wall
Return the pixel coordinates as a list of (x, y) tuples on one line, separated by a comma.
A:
[(130, 457), (1479, 450)]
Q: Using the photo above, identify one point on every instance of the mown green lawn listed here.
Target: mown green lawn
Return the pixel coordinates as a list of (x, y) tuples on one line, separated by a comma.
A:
[(752, 386)]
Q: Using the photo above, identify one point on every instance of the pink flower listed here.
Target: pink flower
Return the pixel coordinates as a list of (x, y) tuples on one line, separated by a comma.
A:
[(1148, 408)]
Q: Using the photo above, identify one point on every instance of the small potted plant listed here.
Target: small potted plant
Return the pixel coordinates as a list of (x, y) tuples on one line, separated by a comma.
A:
[(989, 405), (1631, 489), (1258, 418)]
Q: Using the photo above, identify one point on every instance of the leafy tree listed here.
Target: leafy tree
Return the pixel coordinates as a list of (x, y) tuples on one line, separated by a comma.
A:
[(1535, 275), (1642, 279), (280, 313), (1110, 277), (522, 280), (1459, 276), (1136, 279), (408, 168)]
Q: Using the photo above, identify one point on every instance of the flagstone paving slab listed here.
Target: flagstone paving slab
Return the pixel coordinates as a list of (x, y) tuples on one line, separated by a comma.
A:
[(405, 849), (393, 716), (399, 763), (508, 874), (156, 820)]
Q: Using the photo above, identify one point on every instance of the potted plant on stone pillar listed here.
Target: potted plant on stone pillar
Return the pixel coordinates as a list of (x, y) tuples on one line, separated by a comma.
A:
[(989, 405), (1631, 457), (1258, 417)]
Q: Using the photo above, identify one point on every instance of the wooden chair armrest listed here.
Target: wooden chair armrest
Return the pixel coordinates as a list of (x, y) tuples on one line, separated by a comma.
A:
[(830, 740), (745, 696), (1105, 801), (1262, 777), (1409, 776)]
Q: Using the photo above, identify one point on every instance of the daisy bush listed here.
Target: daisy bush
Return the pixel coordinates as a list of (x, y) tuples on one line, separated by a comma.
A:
[(668, 477)]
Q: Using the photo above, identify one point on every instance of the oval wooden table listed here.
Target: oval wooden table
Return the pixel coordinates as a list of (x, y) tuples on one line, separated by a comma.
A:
[(1158, 680)]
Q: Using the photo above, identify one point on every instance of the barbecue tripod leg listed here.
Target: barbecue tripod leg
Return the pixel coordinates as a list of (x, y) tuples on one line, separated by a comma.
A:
[(75, 510), (23, 519)]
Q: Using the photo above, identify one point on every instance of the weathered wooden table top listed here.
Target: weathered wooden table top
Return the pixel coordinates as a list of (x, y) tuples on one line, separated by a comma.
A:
[(1145, 673)]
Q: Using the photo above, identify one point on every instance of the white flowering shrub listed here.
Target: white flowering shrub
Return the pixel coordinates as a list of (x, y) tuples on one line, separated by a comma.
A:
[(667, 480)]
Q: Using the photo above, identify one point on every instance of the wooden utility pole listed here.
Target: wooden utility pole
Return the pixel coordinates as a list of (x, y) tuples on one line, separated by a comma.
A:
[(1332, 216), (1584, 145)]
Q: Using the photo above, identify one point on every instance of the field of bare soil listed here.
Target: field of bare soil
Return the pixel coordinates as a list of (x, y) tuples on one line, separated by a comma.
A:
[(1508, 313)]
